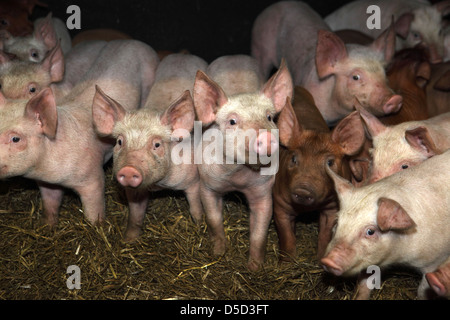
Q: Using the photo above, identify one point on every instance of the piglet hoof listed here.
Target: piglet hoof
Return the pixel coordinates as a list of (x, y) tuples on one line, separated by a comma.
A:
[(132, 234), (197, 217), (50, 221), (253, 265), (219, 248)]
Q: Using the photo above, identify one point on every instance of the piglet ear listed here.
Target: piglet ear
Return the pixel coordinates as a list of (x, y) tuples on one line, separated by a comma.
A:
[(208, 98), (45, 32), (373, 124), (443, 84), (341, 185), (279, 86), (392, 216), (403, 24), (385, 43), (105, 112), (53, 63), (180, 114), (419, 138), (42, 108), (349, 133), (330, 50), (290, 130)]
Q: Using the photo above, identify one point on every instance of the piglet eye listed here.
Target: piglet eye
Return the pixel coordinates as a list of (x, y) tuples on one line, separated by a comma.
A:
[(34, 54), (294, 159), (119, 141), (157, 145), (405, 166), (356, 77), (330, 162), (269, 117), (32, 89), (15, 139), (370, 232), (233, 122)]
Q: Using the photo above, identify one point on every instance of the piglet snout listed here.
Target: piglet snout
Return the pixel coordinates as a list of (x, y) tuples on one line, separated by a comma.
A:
[(393, 104), (329, 265), (129, 177), (265, 144)]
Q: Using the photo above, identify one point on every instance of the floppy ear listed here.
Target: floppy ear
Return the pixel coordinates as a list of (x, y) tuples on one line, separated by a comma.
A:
[(42, 108), (105, 112), (420, 139), (290, 130), (391, 216), (330, 50), (180, 114), (279, 86), (350, 134), (208, 98)]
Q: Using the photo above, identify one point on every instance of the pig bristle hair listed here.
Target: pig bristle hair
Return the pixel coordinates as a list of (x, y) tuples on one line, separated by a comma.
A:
[(139, 126), (366, 58)]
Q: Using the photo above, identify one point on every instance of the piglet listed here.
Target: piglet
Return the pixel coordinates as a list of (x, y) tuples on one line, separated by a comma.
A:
[(236, 159), (439, 280), (402, 219), (417, 23), (404, 145), (302, 185), (147, 142), (56, 144), (47, 33), (334, 73), (25, 79), (15, 16)]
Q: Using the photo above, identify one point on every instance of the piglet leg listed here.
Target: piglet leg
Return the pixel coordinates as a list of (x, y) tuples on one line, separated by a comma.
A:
[(260, 204), (92, 195), (327, 219), (195, 204), (213, 205), (51, 201), (285, 225), (137, 206)]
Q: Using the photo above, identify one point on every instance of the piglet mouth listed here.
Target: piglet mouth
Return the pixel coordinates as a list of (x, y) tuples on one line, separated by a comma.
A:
[(303, 197)]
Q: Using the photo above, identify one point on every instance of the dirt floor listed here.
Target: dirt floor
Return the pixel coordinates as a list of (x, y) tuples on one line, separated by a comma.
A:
[(171, 260)]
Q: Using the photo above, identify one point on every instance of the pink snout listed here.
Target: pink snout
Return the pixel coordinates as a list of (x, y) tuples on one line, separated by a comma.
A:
[(265, 143), (129, 177), (393, 104), (331, 266)]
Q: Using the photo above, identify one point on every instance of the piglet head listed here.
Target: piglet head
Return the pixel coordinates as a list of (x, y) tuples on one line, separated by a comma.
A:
[(25, 79), (310, 152), (365, 228), (143, 138), (24, 129), (248, 115)]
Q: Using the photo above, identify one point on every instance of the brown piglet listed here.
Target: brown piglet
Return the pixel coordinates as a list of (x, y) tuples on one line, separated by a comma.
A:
[(302, 185)]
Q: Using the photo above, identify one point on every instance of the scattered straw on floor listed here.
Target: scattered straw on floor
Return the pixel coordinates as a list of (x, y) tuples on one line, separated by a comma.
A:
[(171, 260)]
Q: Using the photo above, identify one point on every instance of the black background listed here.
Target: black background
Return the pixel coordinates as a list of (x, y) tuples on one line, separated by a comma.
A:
[(205, 28)]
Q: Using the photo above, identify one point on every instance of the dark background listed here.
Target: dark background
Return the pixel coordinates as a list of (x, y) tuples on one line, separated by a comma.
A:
[(205, 28)]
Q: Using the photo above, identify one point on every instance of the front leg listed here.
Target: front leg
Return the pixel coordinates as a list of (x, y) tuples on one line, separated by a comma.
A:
[(137, 206), (195, 203), (327, 220), (92, 194), (285, 227), (213, 205), (260, 203), (52, 196)]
